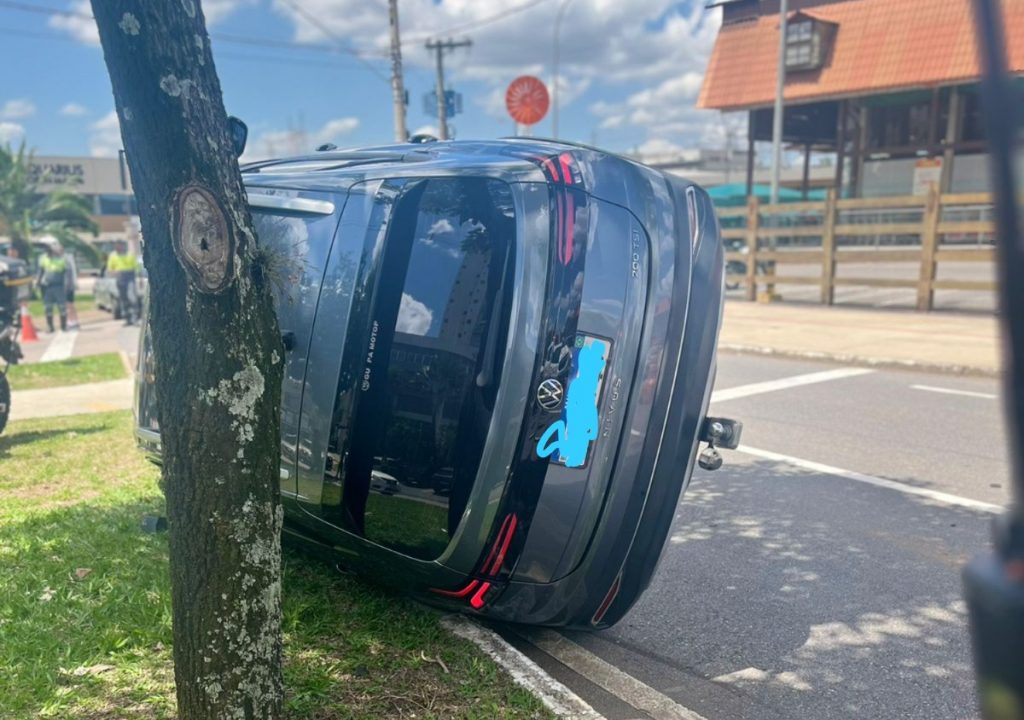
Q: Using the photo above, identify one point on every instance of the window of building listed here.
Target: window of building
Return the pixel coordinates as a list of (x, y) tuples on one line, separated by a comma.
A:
[(805, 43)]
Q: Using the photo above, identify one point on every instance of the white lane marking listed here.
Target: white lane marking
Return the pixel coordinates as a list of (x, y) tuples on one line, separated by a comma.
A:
[(951, 391), (785, 383), (61, 347), (935, 495), (559, 699), (608, 677)]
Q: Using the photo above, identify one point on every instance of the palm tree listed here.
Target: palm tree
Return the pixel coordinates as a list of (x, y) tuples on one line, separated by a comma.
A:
[(26, 212)]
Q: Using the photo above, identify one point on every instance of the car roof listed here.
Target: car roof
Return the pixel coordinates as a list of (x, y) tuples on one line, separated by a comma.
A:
[(337, 169)]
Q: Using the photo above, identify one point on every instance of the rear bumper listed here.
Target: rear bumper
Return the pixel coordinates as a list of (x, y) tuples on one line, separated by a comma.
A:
[(658, 449)]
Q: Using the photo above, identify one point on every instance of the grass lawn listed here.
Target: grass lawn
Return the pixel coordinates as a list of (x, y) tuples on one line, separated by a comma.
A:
[(85, 615), (74, 371)]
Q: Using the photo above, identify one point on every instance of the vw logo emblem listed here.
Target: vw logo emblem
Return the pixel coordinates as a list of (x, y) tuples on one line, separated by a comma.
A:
[(549, 395)]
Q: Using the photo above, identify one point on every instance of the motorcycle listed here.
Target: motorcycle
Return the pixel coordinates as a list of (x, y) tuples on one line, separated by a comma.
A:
[(14, 282)]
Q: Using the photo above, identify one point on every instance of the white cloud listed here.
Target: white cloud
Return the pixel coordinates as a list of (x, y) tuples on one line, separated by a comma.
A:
[(217, 10), (10, 132), (74, 109), (80, 25), (414, 317), (667, 115), (335, 129), (105, 136), (17, 109), (280, 143), (612, 43)]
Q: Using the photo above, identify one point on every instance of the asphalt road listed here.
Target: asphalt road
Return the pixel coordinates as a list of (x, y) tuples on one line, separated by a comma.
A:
[(787, 592)]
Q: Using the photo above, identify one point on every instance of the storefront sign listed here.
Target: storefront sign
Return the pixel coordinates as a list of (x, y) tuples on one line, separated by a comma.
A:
[(57, 173), (927, 172)]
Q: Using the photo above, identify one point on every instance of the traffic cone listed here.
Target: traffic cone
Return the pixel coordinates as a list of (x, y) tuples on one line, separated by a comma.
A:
[(28, 330)]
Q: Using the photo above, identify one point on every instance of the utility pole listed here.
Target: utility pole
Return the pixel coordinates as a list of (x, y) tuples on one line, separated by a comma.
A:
[(777, 120), (780, 85), (439, 48), (397, 83)]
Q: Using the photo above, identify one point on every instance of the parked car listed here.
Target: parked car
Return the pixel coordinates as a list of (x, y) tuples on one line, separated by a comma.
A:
[(106, 296), (539, 319)]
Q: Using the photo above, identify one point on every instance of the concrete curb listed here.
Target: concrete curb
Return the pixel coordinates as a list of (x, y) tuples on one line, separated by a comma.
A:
[(127, 362), (559, 699), (861, 361)]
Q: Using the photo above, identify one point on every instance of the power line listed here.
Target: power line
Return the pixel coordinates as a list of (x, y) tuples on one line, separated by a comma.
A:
[(342, 45), (218, 54), (330, 33), (220, 37), (476, 23)]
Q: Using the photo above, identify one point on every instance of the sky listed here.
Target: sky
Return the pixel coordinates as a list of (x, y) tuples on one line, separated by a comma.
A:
[(306, 72)]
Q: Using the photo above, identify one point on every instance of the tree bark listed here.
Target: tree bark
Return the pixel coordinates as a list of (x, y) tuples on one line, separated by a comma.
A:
[(218, 357)]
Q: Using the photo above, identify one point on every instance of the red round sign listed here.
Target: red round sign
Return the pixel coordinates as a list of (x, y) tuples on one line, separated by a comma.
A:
[(527, 100)]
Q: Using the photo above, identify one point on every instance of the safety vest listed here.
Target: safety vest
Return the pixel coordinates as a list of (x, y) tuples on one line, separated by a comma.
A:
[(56, 265), (120, 263)]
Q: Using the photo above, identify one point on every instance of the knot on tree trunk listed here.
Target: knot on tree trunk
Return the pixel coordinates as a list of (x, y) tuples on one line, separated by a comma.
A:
[(202, 239)]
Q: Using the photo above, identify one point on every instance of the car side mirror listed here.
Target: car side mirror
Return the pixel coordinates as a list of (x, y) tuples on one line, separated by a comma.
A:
[(239, 133)]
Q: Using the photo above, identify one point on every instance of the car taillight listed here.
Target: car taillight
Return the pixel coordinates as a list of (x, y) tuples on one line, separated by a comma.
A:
[(608, 599), (477, 588)]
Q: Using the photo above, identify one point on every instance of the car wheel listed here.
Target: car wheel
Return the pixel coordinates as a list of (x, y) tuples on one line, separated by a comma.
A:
[(5, 401)]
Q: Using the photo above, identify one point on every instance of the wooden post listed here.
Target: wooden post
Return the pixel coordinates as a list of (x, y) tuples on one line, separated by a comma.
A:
[(753, 220), (929, 244), (828, 250), (750, 153), (860, 151), (952, 136), (807, 169), (841, 146)]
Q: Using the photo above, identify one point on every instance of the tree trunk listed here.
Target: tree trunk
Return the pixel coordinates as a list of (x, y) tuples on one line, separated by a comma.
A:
[(218, 357)]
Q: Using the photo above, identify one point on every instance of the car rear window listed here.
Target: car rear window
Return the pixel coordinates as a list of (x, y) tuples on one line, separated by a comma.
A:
[(431, 368)]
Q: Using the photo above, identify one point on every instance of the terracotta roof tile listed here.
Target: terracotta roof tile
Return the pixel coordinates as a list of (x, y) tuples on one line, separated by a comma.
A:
[(880, 46)]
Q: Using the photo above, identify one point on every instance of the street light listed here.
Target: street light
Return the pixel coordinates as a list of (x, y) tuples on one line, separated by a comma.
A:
[(554, 82)]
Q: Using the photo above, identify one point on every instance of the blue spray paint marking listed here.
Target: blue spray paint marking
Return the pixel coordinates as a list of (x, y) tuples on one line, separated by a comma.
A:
[(571, 436)]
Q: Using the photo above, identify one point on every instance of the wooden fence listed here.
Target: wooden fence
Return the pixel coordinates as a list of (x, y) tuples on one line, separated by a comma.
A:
[(926, 230)]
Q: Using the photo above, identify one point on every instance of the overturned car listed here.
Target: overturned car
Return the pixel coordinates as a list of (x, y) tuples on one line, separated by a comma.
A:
[(500, 357)]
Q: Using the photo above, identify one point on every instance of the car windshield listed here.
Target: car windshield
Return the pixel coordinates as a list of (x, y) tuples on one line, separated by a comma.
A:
[(431, 365)]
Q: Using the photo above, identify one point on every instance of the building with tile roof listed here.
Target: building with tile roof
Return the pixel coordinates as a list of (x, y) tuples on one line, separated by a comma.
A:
[(890, 86)]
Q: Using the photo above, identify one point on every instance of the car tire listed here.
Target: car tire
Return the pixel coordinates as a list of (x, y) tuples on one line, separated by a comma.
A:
[(5, 401)]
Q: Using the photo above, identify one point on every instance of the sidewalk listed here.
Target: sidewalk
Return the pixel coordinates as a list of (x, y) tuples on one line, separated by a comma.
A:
[(92, 338), (946, 342), (72, 399)]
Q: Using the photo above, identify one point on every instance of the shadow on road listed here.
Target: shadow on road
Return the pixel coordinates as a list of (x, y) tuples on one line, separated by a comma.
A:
[(806, 594)]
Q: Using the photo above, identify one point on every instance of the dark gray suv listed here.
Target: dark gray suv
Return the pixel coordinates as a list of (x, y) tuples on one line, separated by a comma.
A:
[(500, 356)]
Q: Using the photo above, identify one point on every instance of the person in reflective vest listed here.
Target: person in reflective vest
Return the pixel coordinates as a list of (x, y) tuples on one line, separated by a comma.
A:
[(53, 269), (124, 266)]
